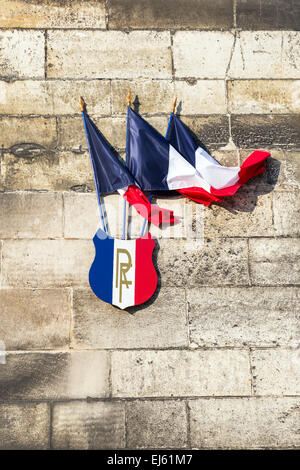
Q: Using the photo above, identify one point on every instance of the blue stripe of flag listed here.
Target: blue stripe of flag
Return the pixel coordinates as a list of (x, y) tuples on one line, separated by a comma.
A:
[(101, 272)]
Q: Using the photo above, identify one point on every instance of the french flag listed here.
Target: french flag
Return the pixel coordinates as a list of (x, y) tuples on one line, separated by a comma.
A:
[(219, 180), (112, 175), (154, 162)]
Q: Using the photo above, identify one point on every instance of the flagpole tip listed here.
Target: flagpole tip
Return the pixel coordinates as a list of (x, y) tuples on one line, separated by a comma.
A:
[(82, 104), (174, 105), (128, 98)]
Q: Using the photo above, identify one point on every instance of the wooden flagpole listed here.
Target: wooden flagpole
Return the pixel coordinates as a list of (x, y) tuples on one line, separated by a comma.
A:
[(83, 110)]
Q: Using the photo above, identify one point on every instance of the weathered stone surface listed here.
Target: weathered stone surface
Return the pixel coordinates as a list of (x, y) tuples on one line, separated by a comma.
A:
[(94, 425), (49, 375), (146, 94), (71, 131), (156, 424), (35, 319), (266, 131), (81, 215), (264, 96), (47, 170), (24, 426), (191, 14), (30, 130), (289, 174), (256, 316), (227, 298), (286, 207), (212, 131), (201, 97), (242, 215), (22, 54), (269, 14), (257, 54), (180, 373), (71, 135), (193, 52), (52, 14), (46, 263), (99, 325), (274, 261), (54, 97), (31, 215), (245, 423), (205, 262), (276, 371), (109, 54)]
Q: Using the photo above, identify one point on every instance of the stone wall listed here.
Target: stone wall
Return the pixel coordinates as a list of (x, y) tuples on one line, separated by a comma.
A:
[(213, 361)]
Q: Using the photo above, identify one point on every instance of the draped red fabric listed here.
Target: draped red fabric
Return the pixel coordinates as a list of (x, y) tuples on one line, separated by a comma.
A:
[(154, 214)]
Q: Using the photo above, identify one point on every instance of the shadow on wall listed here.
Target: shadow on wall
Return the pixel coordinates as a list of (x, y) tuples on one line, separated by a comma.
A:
[(246, 197)]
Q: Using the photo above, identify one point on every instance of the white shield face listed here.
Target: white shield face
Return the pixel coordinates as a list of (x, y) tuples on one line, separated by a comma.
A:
[(124, 273)]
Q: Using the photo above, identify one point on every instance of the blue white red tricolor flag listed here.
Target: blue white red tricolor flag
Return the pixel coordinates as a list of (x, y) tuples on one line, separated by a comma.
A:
[(155, 164), (122, 273), (111, 175), (219, 181), (178, 163)]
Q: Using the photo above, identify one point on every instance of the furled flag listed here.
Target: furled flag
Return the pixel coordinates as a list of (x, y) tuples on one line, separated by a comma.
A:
[(112, 175), (155, 164), (219, 180)]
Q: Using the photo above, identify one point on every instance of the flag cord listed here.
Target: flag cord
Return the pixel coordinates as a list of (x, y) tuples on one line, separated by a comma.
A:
[(98, 196), (150, 198)]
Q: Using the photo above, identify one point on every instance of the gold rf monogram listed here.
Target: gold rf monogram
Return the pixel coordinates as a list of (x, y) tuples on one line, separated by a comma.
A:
[(122, 269)]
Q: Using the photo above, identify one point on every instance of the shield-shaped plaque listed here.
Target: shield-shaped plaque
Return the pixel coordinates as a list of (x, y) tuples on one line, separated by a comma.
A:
[(122, 272)]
